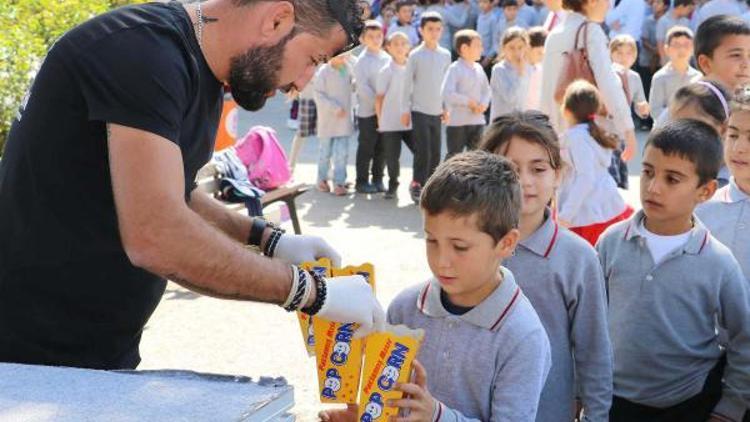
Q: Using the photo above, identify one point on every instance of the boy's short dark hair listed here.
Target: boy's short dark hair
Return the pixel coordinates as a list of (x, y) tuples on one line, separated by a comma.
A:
[(678, 31), (428, 17), (678, 3), (537, 36), (464, 37), (400, 4), (508, 3), (694, 141), (712, 31), (476, 182)]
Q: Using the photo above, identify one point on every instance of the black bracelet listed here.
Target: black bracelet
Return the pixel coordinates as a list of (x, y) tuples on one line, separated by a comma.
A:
[(299, 294), (320, 298), (256, 231), (272, 242)]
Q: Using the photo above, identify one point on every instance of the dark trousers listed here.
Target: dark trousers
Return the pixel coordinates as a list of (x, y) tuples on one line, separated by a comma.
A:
[(426, 140), (369, 151), (392, 149), (695, 409), (462, 137)]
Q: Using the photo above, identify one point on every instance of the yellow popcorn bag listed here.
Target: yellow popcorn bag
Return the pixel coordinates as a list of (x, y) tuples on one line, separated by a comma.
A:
[(338, 354), (322, 267), (388, 359)]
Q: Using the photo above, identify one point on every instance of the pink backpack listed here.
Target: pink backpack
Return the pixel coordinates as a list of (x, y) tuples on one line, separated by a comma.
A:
[(264, 158)]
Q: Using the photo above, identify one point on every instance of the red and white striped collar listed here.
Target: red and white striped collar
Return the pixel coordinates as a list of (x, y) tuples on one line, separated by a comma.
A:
[(542, 241), (489, 314)]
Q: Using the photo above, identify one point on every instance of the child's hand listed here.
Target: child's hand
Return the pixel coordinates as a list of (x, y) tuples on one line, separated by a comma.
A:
[(482, 108), (341, 113), (445, 117), (417, 399), (406, 119), (340, 415), (630, 146), (473, 105)]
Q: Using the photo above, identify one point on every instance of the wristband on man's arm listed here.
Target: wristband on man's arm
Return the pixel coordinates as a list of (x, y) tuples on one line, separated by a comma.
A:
[(256, 232)]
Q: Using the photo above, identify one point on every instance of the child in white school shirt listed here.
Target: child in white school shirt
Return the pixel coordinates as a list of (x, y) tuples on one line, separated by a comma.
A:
[(589, 201), (558, 272)]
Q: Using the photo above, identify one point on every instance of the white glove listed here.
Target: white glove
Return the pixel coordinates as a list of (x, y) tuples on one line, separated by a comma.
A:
[(351, 299), (296, 249)]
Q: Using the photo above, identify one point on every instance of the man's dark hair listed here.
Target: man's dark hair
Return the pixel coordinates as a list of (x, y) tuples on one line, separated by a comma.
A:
[(428, 17), (691, 140), (712, 31), (318, 17), (480, 183)]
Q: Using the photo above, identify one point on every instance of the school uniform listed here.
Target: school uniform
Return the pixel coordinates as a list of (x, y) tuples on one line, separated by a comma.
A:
[(333, 92), (727, 216), (369, 148), (464, 81), (456, 16), (390, 83), (663, 317), (630, 14), (588, 200), (526, 18), (487, 28), (561, 276), (666, 22), (488, 362), (409, 30), (665, 83), (425, 71), (509, 88)]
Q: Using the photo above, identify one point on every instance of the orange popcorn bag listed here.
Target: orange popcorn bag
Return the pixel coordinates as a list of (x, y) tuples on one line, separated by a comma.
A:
[(388, 360), (321, 267), (338, 353)]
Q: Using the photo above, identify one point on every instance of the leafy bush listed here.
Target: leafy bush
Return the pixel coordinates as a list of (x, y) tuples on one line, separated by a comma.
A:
[(29, 29)]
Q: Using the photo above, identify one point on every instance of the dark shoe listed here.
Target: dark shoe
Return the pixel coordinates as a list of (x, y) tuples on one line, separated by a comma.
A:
[(391, 194), (415, 190), (365, 188), (379, 186)]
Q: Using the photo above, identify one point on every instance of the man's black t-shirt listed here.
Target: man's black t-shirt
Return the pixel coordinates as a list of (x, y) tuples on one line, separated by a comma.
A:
[(68, 293)]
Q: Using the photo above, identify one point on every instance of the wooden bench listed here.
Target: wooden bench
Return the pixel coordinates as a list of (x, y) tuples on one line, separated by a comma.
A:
[(208, 179)]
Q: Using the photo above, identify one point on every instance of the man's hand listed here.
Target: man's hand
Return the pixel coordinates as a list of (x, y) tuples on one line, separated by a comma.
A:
[(351, 299), (406, 119), (417, 398), (340, 415), (296, 249), (630, 146)]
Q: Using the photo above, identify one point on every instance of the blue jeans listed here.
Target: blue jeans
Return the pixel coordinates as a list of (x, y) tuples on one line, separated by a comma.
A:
[(338, 149)]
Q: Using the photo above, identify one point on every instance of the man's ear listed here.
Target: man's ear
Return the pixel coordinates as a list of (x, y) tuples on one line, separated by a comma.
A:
[(507, 245), (277, 21)]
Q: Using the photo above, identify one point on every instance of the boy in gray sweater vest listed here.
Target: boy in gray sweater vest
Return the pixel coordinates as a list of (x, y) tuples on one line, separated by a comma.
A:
[(671, 286), (485, 351)]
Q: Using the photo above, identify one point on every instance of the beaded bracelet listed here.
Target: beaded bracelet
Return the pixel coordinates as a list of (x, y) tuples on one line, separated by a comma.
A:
[(300, 287), (273, 242), (320, 299)]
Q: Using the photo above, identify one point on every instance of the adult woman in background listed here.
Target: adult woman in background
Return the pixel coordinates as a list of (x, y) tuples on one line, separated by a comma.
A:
[(562, 40)]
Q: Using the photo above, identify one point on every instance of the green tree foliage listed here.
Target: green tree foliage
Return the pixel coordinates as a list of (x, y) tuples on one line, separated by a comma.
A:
[(29, 28)]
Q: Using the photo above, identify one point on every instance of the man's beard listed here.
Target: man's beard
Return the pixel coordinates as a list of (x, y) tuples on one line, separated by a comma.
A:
[(256, 73)]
